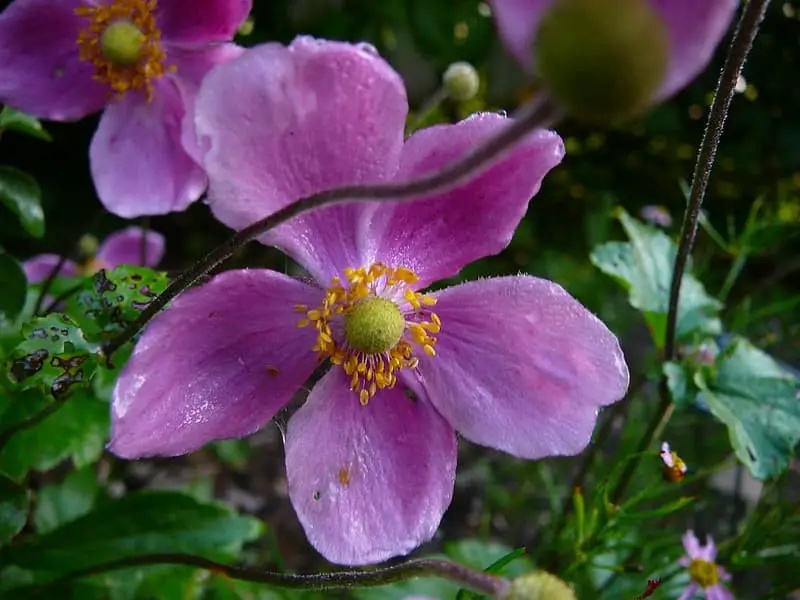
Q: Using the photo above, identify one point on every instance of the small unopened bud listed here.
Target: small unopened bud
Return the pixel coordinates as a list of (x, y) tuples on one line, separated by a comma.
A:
[(461, 81), (602, 61), (247, 26), (539, 586), (88, 245)]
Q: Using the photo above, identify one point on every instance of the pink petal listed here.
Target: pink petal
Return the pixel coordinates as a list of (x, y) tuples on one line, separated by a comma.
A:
[(219, 363), (368, 482), (282, 123), (695, 30), (39, 68), (521, 366), (192, 66), (709, 551), (201, 21), (718, 592), (691, 544), (38, 268), (438, 236), (137, 159), (125, 248), (517, 22), (724, 574), (689, 592), (684, 561)]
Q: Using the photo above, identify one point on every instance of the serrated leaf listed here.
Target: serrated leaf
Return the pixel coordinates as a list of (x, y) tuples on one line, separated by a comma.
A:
[(13, 509), (20, 193), (644, 267), (14, 120), (63, 502), (14, 286), (137, 524), (110, 300), (76, 430), (759, 402)]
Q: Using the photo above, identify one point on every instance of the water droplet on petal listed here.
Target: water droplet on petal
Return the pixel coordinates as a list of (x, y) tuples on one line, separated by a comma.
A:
[(368, 48)]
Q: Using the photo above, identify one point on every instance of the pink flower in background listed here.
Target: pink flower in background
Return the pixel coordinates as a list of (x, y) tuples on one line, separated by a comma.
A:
[(693, 31), (706, 575), (513, 363), (140, 60), (656, 214), (120, 248)]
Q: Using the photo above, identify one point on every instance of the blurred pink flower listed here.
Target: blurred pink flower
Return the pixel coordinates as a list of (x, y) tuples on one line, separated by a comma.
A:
[(140, 60), (657, 215), (705, 573), (514, 363)]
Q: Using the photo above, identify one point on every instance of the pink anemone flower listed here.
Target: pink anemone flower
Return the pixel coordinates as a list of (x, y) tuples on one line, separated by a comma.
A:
[(513, 363), (142, 62), (693, 31), (705, 573), (120, 248)]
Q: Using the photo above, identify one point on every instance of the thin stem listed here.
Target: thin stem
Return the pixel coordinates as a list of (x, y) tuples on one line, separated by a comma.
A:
[(35, 419), (430, 105), (61, 297), (742, 42), (340, 580), (535, 115), (48, 282)]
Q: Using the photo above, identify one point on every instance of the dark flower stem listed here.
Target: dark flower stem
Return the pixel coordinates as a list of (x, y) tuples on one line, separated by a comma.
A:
[(742, 42), (48, 282), (339, 580), (535, 115)]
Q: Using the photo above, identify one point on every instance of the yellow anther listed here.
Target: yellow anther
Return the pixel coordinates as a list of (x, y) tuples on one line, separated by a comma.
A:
[(429, 350), (363, 397), (301, 308), (429, 300), (303, 323)]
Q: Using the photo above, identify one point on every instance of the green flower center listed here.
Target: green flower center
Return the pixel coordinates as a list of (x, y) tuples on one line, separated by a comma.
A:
[(705, 573), (374, 325), (602, 61), (122, 43)]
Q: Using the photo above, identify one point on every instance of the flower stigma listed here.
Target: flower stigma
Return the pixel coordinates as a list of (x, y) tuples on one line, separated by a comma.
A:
[(704, 573), (123, 42), (371, 323)]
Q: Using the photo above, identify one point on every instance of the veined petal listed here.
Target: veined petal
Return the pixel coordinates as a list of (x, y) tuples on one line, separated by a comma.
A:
[(521, 366), (201, 21), (517, 22), (368, 482), (127, 247), (40, 72), (219, 363), (38, 268), (695, 30), (439, 235), (282, 123), (137, 159)]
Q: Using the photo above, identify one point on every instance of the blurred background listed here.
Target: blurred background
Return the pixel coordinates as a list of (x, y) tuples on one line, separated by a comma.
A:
[(749, 248)]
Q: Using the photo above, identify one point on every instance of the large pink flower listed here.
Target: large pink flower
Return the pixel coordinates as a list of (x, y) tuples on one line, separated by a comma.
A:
[(141, 60), (694, 28), (514, 363)]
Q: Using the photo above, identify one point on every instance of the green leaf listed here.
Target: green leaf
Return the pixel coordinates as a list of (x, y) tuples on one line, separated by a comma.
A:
[(480, 554), (21, 194), (64, 502), (13, 509), (140, 523), (643, 266), (54, 356), (759, 402), (77, 429), (110, 300), (13, 120), (14, 287)]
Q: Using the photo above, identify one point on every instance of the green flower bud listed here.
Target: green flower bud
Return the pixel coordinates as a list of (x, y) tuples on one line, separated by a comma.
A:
[(88, 245), (374, 325), (602, 60), (461, 81), (121, 43), (539, 586), (247, 26)]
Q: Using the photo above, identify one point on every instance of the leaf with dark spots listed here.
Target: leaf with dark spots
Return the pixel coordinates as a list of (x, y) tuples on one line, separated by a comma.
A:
[(110, 300), (54, 356)]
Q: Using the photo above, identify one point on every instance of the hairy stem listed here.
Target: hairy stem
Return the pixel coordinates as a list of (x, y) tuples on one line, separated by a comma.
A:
[(535, 115), (742, 42), (339, 580)]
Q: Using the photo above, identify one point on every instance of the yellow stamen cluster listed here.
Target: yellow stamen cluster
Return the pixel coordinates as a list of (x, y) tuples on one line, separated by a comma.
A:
[(372, 371), (705, 573), (138, 62)]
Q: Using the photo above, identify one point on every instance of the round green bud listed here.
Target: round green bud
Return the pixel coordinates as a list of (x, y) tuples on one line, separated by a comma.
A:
[(539, 586), (121, 43), (602, 60), (374, 325), (247, 26), (461, 81), (88, 245)]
